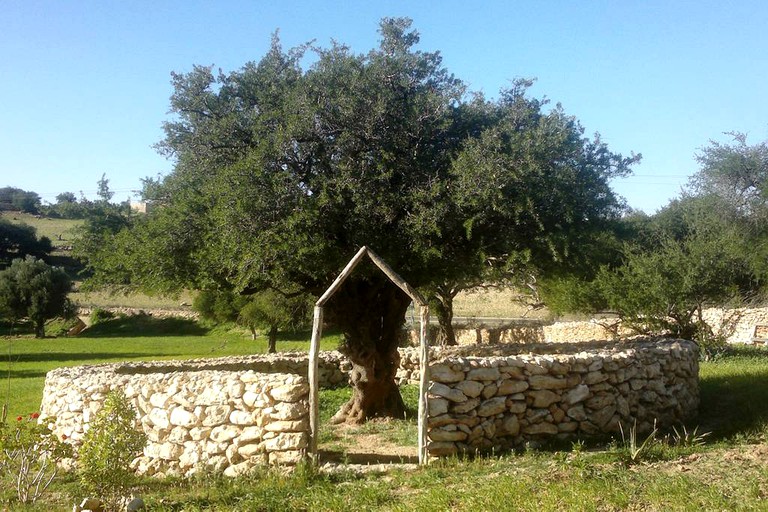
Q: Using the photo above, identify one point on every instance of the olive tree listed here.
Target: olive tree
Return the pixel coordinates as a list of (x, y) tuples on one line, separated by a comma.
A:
[(31, 289), (282, 173)]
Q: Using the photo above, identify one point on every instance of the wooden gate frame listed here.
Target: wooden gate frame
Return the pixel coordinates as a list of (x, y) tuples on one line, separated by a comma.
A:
[(317, 328)]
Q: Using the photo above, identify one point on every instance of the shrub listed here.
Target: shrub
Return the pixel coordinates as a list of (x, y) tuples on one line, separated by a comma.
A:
[(99, 315), (109, 446)]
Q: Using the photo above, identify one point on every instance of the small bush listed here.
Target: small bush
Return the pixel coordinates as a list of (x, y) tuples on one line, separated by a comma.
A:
[(99, 315), (109, 447)]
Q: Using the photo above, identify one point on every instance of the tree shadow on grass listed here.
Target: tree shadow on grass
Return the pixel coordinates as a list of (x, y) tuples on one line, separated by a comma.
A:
[(22, 374), (63, 357), (144, 326), (734, 405)]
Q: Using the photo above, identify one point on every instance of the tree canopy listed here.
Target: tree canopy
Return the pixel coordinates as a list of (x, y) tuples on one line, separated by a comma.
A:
[(282, 173), (31, 289)]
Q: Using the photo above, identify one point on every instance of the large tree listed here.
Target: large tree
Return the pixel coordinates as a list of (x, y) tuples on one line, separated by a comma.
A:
[(282, 173)]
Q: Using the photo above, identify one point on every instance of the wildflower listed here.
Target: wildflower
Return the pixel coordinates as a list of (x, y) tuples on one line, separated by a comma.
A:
[(64, 437), (35, 415), (19, 418)]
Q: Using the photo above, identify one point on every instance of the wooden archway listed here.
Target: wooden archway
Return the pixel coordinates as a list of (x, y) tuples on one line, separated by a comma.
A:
[(317, 328)]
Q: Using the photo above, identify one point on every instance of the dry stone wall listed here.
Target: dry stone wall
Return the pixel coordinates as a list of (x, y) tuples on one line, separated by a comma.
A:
[(500, 399), (225, 415)]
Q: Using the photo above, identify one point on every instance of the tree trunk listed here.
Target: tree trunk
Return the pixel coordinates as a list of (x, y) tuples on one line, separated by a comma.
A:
[(272, 340), (40, 328), (443, 306), (371, 315)]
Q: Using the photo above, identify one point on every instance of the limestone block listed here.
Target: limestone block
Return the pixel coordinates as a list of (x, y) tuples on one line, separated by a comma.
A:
[(250, 435), (224, 433), (178, 435), (489, 390), (577, 394), (535, 369), (440, 390), (241, 418), (159, 400), (577, 413), (568, 426), (484, 374), (287, 458), (290, 411), (182, 417), (212, 448), (249, 450), (217, 463), (189, 459), (595, 378), (291, 392), (492, 406), (159, 418), (600, 401), (216, 415), (250, 398), (169, 451), (445, 374), (516, 406), (465, 407), (547, 382), (199, 433), (442, 448), (439, 421), (510, 425), (603, 416), (438, 435), (288, 426), (437, 406), (234, 470), (544, 398), (287, 441), (509, 387)]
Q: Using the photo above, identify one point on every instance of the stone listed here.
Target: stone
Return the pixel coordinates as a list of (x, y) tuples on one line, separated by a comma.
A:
[(437, 406), (439, 421), (169, 451), (291, 392), (250, 398), (484, 374), (492, 406), (249, 450), (135, 505), (189, 459), (603, 416), (288, 411), (287, 441), (442, 449), (216, 415), (289, 458), (199, 433), (544, 398), (159, 418), (600, 401), (250, 435), (465, 407), (577, 413), (547, 382), (444, 435), (516, 406), (178, 435), (510, 387), (577, 394), (181, 417), (490, 390), (595, 378), (288, 426), (224, 433), (237, 417), (444, 373), (441, 390), (470, 388), (511, 425)]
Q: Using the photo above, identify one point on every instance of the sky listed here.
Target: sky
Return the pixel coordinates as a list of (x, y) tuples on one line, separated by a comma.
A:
[(85, 85)]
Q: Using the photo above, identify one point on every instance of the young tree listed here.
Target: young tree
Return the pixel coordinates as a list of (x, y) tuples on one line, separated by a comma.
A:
[(273, 311), (282, 174), (31, 289)]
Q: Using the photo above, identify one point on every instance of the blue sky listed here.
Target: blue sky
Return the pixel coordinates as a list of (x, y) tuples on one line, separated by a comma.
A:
[(84, 85)]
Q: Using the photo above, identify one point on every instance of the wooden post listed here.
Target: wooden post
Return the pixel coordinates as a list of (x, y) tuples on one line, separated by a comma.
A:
[(423, 385), (343, 276), (314, 411)]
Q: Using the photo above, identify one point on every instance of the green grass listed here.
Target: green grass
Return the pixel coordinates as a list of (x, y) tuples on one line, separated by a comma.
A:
[(729, 472), (46, 226), (24, 361)]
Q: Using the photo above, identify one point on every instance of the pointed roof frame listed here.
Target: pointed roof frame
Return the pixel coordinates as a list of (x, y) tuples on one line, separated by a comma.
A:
[(317, 326)]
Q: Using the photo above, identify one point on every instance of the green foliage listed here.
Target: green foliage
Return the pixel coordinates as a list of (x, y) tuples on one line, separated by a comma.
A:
[(12, 198), (31, 289), (219, 306), (20, 240), (109, 446), (29, 456), (99, 315)]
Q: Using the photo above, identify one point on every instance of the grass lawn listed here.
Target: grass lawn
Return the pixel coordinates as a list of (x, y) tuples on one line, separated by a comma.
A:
[(24, 361), (728, 470)]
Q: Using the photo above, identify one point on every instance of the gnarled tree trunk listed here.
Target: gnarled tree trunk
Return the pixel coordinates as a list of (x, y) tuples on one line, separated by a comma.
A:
[(371, 314)]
